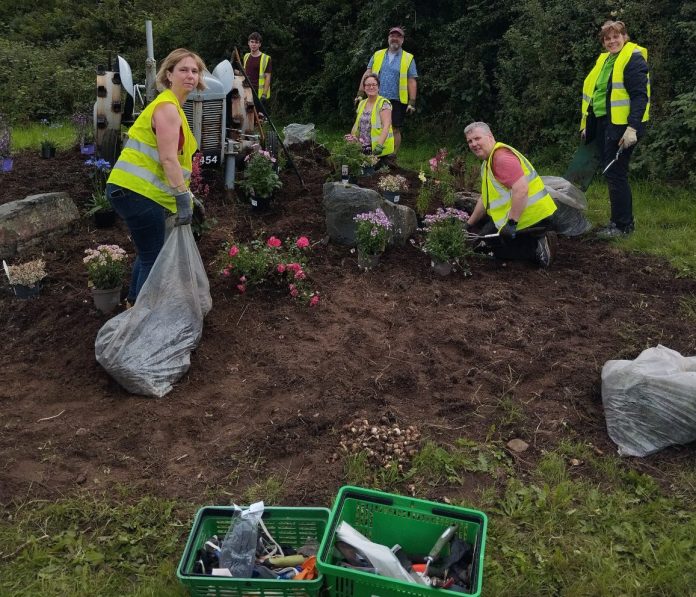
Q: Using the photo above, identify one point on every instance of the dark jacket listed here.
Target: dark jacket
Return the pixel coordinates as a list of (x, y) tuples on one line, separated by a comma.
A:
[(636, 83)]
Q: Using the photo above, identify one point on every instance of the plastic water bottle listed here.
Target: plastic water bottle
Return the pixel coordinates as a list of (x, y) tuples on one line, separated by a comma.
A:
[(238, 551)]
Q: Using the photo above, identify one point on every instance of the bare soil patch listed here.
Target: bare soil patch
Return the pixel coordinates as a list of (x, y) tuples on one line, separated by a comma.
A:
[(512, 351)]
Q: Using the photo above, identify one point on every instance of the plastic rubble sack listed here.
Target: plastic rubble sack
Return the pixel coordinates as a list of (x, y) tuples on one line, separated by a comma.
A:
[(147, 348), (569, 219), (299, 133), (650, 403)]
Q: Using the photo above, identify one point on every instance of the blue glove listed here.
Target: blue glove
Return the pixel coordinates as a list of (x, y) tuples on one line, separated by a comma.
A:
[(509, 231), (184, 210)]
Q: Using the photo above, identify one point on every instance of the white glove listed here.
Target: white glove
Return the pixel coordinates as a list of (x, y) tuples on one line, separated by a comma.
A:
[(629, 137)]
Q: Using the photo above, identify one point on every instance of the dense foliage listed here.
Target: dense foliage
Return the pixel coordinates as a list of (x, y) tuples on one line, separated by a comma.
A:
[(516, 65)]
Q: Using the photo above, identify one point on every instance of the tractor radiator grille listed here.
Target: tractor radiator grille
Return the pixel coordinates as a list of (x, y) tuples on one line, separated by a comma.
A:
[(211, 126)]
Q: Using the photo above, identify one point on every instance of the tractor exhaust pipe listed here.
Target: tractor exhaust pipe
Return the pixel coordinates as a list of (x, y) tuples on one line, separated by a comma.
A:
[(150, 65)]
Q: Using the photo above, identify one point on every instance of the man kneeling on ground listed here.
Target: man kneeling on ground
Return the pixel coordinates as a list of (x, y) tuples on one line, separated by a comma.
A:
[(513, 202)]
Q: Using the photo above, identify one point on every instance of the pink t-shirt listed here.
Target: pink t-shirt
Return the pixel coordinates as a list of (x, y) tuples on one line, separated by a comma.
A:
[(506, 167)]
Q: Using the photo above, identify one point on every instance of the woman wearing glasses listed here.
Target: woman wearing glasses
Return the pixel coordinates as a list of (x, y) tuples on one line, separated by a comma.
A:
[(373, 121), (615, 108)]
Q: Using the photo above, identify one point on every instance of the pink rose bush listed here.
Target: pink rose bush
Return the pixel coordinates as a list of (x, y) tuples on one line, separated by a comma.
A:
[(271, 261)]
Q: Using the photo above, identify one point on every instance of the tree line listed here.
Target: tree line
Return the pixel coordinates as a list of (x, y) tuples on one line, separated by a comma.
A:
[(517, 65)]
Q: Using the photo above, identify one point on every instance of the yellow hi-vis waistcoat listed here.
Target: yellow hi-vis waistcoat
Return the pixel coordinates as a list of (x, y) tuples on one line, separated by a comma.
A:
[(406, 59), (497, 199), (376, 125), (138, 167), (263, 63), (619, 101)]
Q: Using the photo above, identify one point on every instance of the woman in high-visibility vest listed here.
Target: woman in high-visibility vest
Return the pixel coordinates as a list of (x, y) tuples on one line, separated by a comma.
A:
[(151, 178), (373, 120), (615, 108)]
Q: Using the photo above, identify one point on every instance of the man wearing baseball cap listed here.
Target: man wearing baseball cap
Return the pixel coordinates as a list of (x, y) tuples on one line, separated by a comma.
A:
[(397, 73)]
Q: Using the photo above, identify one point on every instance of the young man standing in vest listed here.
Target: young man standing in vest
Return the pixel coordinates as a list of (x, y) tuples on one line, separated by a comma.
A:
[(398, 80), (257, 67), (513, 202)]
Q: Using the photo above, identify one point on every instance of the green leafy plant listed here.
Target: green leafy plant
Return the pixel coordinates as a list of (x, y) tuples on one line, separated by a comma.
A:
[(29, 273), (372, 232), (271, 261), (438, 185), (99, 173), (106, 266), (444, 236), (347, 152), (260, 178)]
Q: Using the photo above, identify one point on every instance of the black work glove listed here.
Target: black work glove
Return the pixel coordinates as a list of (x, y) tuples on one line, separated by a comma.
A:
[(509, 231), (184, 211)]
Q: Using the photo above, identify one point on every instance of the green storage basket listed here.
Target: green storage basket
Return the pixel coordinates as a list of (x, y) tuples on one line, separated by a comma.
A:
[(288, 526), (390, 519)]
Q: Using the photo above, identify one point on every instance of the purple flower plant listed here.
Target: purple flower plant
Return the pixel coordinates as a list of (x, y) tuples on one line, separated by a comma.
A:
[(445, 214)]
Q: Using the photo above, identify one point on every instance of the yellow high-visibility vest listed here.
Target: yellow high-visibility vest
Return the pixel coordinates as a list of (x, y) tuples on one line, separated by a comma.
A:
[(139, 168), (406, 60), (619, 101), (497, 198), (376, 125), (262, 73)]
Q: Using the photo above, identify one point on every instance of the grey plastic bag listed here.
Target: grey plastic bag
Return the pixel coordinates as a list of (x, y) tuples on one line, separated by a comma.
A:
[(650, 403), (147, 348), (569, 219)]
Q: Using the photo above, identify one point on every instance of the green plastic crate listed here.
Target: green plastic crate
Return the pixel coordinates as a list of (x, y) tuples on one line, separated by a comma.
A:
[(288, 526), (390, 519)]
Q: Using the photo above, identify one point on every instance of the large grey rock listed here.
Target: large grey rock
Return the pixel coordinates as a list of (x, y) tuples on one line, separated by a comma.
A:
[(27, 221), (404, 222), (342, 202), (299, 133)]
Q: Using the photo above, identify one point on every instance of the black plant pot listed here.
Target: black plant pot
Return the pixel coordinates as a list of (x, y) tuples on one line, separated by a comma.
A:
[(48, 152), (105, 218)]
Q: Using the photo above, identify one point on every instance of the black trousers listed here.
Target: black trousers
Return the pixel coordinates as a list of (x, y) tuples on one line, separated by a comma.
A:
[(620, 196), (522, 247)]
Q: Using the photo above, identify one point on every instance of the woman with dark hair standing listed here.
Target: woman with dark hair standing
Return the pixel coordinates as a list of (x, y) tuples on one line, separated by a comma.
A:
[(151, 178), (615, 108)]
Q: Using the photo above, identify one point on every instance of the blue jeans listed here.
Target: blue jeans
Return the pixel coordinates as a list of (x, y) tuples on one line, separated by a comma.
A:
[(145, 221)]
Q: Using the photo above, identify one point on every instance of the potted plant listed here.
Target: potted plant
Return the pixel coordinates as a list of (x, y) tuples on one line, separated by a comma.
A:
[(347, 159), (273, 261), (369, 163), (81, 120), (98, 205), (106, 266), (371, 237), (5, 146), (260, 180), (438, 185), (392, 185), (445, 240), (25, 278)]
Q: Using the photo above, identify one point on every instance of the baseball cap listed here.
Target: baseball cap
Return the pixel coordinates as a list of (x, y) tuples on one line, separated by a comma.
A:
[(398, 30)]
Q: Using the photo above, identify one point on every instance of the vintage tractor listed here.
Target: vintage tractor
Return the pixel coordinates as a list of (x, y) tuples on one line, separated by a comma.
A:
[(222, 117)]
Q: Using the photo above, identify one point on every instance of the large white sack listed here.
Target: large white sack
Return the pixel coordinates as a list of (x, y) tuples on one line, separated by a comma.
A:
[(650, 403)]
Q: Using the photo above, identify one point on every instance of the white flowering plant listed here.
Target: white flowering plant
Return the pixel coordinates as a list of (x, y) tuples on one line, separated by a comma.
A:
[(393, 183), (28, 274), (372, 232), (106, 266)]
